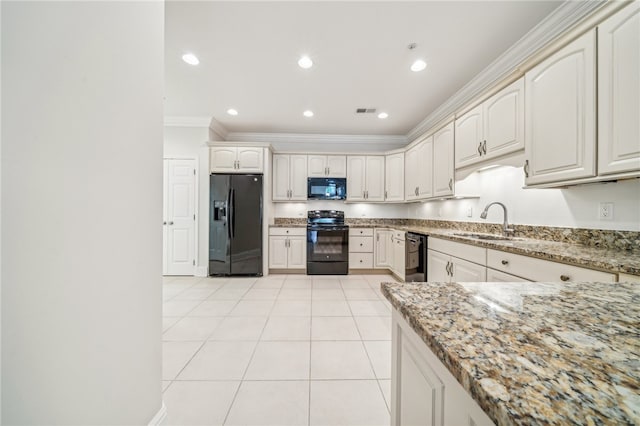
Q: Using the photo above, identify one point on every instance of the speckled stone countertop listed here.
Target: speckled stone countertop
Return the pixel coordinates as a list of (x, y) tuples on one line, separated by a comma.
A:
[(604, 259), (570, 246), (534, 353)]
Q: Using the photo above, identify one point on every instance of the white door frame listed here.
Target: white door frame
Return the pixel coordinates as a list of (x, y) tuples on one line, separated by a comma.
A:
[(196, 206)]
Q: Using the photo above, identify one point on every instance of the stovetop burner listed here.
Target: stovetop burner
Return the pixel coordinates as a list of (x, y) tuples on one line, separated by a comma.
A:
[(325, 218)]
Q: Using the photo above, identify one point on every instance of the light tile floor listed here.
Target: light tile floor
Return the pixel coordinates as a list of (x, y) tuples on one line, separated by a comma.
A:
[(277, 350)]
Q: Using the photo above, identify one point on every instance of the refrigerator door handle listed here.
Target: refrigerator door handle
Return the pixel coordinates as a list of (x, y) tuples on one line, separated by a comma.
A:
[(228, 221), (232, 213)]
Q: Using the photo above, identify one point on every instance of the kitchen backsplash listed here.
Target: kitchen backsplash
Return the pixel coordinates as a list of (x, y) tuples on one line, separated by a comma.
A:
[(621, 240)]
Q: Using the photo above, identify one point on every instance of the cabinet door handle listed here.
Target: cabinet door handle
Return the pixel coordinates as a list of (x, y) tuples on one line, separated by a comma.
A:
[(505, 262), (484, 147), (446, 268), (385, 194), (451, 184), (377, 237), (480, 148), (565, 277), (526, 168)]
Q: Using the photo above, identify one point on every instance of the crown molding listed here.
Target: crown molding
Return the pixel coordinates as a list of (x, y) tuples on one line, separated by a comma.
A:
[(555, 24), (216, 127), (308, 138), (174, 121)]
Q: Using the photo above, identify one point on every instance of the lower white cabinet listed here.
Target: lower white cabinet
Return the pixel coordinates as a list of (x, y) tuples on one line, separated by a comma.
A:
[(423, 391), (398, 243), (449, 261), (533, 269), (383, 248), (494, 276), (360, 248), (287, 248)]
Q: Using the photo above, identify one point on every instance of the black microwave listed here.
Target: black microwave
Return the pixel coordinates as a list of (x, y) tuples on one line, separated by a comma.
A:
[(326, 188)]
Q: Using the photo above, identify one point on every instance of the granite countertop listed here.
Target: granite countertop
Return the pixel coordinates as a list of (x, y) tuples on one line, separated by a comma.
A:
[(534, 353), (604, 259), (608, 260)]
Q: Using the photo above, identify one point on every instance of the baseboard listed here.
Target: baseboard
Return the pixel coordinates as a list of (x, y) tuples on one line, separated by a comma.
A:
[(288, 271), (160, 417), (201, 271), (370, 271)]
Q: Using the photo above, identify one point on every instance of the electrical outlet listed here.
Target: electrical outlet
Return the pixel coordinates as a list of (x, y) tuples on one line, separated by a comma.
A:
[(470, 212), (605, 211)]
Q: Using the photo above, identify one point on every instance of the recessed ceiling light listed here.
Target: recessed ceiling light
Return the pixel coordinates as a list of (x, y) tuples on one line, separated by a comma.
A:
[(308, 113), (418, 65), (190, 58), (305, 62), (232, 111), (383, 115)]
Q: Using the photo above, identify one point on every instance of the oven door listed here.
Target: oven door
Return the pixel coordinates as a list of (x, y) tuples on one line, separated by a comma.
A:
[(327, 244)]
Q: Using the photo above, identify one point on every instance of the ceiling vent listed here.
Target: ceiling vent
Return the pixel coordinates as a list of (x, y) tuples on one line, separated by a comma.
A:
[(365, 110)]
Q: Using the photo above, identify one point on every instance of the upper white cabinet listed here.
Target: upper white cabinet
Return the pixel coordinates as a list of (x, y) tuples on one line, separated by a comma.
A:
[(394, 177), (418, 170), (493, 128), (560, 114), (443, 161), (327, 166), (289, 177), (619, 92), (236, 160), (469, 137), (365, 178)]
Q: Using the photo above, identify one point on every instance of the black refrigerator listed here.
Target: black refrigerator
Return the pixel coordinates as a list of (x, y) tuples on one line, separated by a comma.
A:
[(235, 225)]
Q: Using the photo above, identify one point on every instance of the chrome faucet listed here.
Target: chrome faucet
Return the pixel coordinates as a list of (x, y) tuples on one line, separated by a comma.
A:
[(505, 226)]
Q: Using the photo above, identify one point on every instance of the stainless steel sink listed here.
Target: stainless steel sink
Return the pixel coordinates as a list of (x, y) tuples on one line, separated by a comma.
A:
[(484, 236)]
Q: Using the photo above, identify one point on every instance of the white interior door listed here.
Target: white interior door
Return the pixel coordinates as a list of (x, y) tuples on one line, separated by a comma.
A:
[(180, 217)]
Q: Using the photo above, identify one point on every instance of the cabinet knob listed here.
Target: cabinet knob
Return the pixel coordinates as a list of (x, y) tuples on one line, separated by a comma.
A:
[(360, 244), (565, 277), (170, 222), (164, 223), (287, 231), (505, 262), (360, 260)]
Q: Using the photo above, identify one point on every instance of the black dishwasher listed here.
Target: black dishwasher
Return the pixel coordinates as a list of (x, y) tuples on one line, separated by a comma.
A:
[(416, 258)]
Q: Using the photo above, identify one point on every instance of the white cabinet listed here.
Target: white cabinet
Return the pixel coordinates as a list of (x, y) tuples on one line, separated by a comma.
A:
[(327, 166), (443, 161), (289, 177), (383, 250), (360, 248), (450, 261), (533, 269), (365, 178), (469, 137), (493, 128), (394, 177), (398, 264), (287, 248), (619, 92), (628, 278), (560, 114), (497, 276), (423, 390), (236, 160), (418, 170)]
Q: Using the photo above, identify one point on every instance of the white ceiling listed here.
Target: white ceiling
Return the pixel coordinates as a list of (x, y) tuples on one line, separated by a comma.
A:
[(248, 55)]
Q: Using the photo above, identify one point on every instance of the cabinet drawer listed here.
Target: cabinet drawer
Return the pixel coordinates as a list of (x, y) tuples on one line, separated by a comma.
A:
[(360, 244), (361, 232), (542, 270), (287, 231), (360, 260), (497, 276), (629, 278), (463, 251), (398, 235)]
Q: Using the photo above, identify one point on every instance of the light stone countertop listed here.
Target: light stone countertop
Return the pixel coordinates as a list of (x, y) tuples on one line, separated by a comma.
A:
[(603, 259), (534, 353)]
